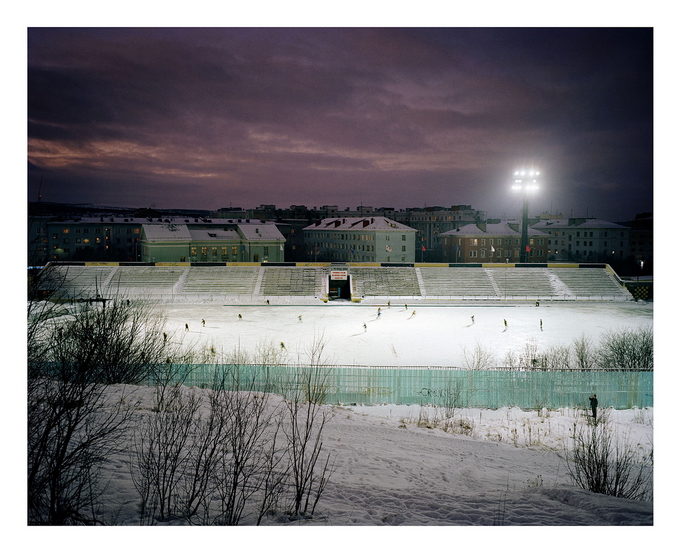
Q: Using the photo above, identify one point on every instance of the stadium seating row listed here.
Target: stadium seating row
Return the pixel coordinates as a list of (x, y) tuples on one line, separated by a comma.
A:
[(176, 282)]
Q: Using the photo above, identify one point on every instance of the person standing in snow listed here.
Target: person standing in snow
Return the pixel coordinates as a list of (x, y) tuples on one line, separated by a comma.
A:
[(593, 405), (203, 322), (186, 327), (473, 319)]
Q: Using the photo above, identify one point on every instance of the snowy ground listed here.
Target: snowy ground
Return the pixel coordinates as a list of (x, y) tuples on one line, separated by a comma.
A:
[(392, 470), (505, 467)]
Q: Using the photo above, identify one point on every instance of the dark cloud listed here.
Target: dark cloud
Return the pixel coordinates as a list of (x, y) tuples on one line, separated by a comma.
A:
[(385, 117)]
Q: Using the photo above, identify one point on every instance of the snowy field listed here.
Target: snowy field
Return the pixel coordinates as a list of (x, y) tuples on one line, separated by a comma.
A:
[(420, 334)]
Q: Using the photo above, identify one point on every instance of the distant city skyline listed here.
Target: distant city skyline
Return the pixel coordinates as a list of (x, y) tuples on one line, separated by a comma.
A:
[(383, 117)]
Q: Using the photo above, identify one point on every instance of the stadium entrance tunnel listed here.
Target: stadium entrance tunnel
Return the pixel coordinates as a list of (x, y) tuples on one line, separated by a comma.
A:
[(339, 288)]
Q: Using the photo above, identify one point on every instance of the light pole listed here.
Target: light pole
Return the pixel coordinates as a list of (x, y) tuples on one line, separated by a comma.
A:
[(525, 181)]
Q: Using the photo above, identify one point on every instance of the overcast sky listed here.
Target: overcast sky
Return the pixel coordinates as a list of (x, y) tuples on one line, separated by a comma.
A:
[(395, 117)]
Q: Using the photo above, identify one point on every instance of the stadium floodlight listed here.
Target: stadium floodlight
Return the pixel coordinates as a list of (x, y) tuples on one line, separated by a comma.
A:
[(525, 182)]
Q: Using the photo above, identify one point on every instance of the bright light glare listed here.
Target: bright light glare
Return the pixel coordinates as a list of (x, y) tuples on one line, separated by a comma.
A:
[(526, 180)]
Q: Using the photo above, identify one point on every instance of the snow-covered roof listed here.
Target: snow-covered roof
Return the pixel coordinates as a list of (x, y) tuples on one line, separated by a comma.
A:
[(494, 229), (172, 232), (166, 231), (214, 234), (359, 223), (261, 231), (575, 224)]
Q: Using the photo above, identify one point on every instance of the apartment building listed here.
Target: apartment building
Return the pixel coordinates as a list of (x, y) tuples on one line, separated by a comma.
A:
[(492, 243), (235, 243), (360, 239), (585, 240)]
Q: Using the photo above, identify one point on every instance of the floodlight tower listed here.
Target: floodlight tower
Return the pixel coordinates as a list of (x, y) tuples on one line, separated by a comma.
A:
[(525, 182)]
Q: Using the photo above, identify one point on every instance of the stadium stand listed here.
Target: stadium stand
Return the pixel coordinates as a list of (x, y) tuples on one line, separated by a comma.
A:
[(385, 281), (255, 282), (221, 280), (293, 281), (459, 282)]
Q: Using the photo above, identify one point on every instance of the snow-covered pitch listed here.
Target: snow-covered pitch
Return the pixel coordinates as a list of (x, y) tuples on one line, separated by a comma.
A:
[(404, 334)]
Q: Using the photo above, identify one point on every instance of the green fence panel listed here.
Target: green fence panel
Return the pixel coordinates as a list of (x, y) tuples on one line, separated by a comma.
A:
[(493, 388)]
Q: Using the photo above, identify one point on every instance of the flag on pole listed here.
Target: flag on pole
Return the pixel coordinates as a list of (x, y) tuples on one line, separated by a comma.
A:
[(492, 249), (423, 247), (528, 249)]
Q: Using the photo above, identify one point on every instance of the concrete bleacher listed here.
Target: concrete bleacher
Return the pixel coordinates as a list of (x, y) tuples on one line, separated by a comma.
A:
[(76, 281), (527, 281), (140, 281), (221, 280), (255, 283), (293, 281), (584, 283), (385, 281), (459, 282)]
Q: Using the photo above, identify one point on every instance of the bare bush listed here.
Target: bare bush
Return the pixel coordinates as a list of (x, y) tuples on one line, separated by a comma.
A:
[(303, 428), (71, 427), (601, 462), (249, 463), (477, 358), (583, 353), (161, 454), (118, 343), (631, 349)]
